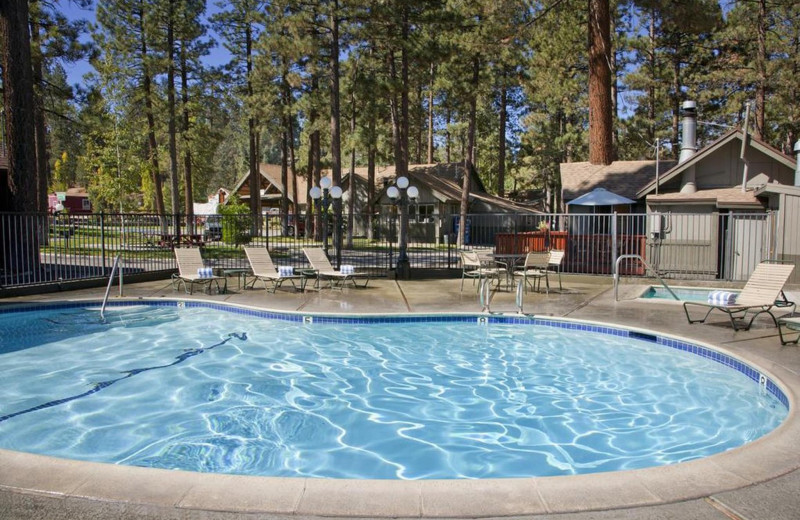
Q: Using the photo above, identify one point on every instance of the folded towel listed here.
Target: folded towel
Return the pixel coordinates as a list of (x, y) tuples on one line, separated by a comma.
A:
[(347, 269), (722, 297), (285, 270), (205, 272)]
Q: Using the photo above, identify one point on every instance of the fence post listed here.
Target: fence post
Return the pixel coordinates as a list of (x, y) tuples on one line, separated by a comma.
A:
[(614, 241), (103, 241)]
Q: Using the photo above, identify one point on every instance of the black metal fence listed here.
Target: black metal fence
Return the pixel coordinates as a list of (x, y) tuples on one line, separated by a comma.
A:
[(43, 249)]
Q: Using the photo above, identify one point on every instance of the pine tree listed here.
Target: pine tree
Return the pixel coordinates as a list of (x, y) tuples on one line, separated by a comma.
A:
[(126, 37), (19, 188), (240, 25)]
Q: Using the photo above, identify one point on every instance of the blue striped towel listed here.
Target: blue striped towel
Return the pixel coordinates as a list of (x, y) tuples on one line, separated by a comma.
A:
[(205, 272), (722, 297), (347, 269), (285, 270)]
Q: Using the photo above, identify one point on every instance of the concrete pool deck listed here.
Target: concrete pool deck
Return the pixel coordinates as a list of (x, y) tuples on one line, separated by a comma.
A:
[(758, 481)]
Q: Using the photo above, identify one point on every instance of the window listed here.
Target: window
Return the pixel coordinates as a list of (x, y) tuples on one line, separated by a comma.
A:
[(86, 205), (421, 212)]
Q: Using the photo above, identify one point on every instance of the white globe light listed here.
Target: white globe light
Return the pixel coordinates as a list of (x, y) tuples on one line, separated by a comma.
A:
[(336, 192), (325, 183), (393, 192), (315, 192), (413, 192), (402, 182)]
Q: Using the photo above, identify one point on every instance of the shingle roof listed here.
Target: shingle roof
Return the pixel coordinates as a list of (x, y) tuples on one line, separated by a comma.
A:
[(621, 177), (721, 197), (444, 178), (700, 155)]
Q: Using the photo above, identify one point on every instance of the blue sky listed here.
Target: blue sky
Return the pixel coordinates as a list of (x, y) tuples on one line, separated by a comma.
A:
[(77, 71)]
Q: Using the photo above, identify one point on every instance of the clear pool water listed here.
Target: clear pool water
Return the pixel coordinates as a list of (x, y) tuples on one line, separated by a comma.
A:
[(686, 294), (212, 391)]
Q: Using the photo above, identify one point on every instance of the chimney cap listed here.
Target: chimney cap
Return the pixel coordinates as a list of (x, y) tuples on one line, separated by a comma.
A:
[(689, 105)]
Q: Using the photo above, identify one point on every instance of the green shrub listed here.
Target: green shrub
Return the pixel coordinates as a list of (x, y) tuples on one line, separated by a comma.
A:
[(235, 222)]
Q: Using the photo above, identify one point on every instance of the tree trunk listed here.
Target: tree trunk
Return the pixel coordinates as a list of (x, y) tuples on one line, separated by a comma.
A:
[(501, 139), (311, 181), (761, 71), (601, 145), (293, 175), (19, 252), (284, 180), (651, 91), (255, 175), (418, 158), (310, 223), (316, 151), (404, 126), (152, 144), (430, 118), (42, 162), (336, 145), (468, 153), (676, 104), (351, 187), (172, 127), (371, 150), (447, 136), (187, 151)]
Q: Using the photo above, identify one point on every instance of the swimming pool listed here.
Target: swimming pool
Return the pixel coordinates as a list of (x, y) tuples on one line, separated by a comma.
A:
[(685, 294), (200, 391)]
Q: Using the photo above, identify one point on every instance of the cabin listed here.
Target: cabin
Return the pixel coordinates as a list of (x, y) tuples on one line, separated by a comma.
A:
[(74, 201), (271, 189), (439, 186), (706, 215), (434, 215)]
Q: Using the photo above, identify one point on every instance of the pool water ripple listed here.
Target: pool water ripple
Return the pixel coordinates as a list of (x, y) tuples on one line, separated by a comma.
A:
[(203, 390)]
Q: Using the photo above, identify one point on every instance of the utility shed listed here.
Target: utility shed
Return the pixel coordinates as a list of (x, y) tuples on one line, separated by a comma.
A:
[(785, 232)]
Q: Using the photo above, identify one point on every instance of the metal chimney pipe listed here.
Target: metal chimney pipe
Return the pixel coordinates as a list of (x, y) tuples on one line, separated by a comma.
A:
[(689, 135), (797, 163)]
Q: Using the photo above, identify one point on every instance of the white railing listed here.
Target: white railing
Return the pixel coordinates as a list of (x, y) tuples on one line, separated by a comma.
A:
[(110, 281)]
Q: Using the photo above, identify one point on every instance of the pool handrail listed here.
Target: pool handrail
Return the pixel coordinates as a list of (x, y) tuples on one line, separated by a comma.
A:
[(647, 266), (108, 287)]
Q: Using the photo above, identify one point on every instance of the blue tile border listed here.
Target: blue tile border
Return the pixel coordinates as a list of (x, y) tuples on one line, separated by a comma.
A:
[(732, 362)]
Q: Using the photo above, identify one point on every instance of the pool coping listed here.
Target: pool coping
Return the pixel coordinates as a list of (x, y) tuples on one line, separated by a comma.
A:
[(771, 456), (640, 297)]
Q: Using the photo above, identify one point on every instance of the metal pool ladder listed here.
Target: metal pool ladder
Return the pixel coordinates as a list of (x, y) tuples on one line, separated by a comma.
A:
[(108, 287), (648, 266)]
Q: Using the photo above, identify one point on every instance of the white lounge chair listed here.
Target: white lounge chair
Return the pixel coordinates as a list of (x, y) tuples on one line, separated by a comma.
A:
[(324, 270), (758, 296), (192, 270), (473, 267), (536, 267), (554, 262), (264, 270), (788, 325)]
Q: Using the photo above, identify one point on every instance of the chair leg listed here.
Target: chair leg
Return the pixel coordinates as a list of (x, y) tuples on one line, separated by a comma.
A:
[(787, 341)]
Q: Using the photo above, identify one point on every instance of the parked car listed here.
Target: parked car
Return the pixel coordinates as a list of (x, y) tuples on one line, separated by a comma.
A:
[(301, 226), (213, 229)]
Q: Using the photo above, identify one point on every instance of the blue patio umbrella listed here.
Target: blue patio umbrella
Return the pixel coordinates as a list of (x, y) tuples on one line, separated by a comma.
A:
[(600, 197)]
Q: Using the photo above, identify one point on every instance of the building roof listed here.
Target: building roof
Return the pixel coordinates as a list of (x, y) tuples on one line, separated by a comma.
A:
[(624, 178), (727, 198), (703, 153), (443, 179)]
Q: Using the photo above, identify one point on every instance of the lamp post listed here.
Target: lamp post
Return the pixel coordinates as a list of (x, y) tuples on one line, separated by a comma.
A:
[(401, 193), (323, 194)]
